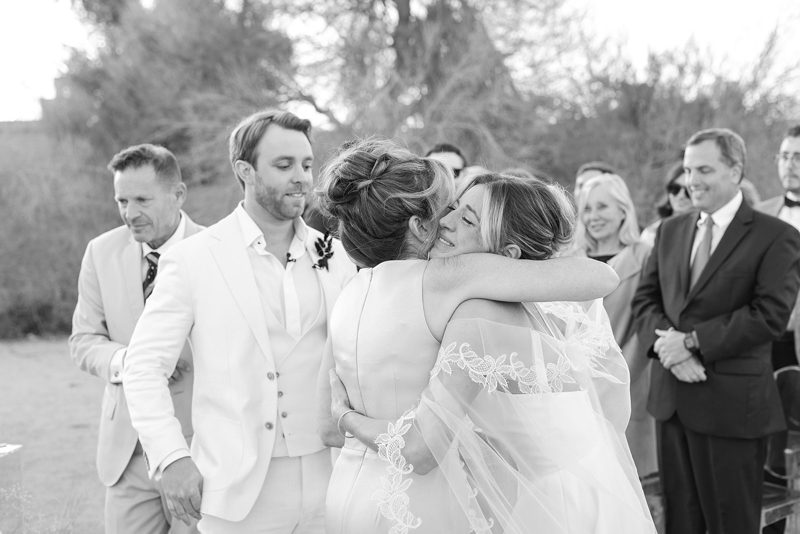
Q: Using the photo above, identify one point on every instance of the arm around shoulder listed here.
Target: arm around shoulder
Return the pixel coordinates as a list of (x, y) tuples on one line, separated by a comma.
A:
[(496, 277)]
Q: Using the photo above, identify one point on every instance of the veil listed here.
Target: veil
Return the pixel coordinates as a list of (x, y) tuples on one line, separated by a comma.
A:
[(527, 426)]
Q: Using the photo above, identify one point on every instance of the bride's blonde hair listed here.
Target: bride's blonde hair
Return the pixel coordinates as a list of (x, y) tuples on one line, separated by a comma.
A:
[(530, 213)]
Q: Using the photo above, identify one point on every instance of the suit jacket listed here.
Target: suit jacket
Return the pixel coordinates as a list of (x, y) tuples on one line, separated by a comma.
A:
[(739, 305), (110, 301), (772, 206), (628, 265), (206, 290)]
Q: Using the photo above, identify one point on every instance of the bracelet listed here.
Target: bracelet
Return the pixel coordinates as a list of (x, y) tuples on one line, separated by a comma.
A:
[(339, 422)]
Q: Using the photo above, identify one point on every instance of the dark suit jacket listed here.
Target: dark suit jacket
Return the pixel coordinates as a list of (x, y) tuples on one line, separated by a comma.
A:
[(740, 304)]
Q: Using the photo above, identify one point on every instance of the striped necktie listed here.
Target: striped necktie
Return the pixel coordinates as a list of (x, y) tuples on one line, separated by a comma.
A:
[(150, 277), (703, 252)]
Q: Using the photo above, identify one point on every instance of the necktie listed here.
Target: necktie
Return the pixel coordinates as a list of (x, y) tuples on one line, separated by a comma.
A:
[(789, 203), (703, 252), (150, 277)]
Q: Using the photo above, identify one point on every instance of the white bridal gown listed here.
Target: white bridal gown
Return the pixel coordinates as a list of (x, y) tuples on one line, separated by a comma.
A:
[(526, 421)]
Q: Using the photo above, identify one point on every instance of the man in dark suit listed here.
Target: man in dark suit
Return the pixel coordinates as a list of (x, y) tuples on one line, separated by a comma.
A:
[(786, 207), (717, 290)]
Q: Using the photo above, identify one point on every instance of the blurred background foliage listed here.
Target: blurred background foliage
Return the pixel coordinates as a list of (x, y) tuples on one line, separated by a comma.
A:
[(513, 82)]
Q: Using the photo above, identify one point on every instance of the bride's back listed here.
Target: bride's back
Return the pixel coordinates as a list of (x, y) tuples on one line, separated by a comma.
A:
[(383, 348)]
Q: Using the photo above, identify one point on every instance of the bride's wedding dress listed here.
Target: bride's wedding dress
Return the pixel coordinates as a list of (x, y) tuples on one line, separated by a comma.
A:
[(526, 422)]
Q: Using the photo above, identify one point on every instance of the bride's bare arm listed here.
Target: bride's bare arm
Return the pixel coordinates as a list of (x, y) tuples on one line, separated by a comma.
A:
[(496, 277), (367, 430), (450, 281)]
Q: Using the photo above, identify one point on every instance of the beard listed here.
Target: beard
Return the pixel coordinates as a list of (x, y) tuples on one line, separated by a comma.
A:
[(276, 203)]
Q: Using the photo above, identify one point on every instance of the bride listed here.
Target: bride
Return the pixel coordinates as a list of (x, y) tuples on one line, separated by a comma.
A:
[(509, 436)]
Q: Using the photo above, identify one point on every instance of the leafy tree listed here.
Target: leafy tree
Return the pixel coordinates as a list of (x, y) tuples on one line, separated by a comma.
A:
[(173, 74)]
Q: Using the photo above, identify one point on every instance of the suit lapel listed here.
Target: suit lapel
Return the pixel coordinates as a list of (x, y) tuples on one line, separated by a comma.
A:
[(739, 227), (132, 269), (231, 256), (327, 280)]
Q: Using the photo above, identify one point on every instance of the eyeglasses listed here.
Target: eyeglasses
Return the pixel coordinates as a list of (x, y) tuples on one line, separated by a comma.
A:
[(456, 172), (785, 157), (675, 189)]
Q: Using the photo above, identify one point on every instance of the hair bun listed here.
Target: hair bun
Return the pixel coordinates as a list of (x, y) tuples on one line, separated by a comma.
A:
[(382, 163)]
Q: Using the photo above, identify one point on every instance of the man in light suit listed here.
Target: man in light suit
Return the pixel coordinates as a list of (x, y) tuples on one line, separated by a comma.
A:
[(786, 207), (116, 278), (253, 293), (717, 290)]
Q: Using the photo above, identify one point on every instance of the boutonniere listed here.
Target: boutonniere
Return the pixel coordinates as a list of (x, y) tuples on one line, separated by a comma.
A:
[(324, 246)]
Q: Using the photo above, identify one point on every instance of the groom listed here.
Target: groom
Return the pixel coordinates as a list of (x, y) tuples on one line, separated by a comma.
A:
[(253, 294)]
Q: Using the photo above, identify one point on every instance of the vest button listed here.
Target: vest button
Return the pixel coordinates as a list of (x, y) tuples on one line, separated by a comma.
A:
[(284, 414), (271, 376), (268, 426), (280, 393)]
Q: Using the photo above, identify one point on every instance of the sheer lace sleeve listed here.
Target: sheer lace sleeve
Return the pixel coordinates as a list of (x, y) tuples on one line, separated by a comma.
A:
[(527, 426)]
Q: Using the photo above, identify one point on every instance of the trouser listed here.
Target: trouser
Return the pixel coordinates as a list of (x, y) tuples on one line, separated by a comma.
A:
[(711, 484), (136, 505), (783, 355), (291, 501)]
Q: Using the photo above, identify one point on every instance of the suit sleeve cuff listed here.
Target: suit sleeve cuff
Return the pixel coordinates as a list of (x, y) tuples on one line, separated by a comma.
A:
[(171, 458), (115, 367)]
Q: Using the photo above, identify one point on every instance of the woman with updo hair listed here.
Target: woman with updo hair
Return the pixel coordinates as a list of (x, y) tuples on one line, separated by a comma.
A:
[(458, 408)]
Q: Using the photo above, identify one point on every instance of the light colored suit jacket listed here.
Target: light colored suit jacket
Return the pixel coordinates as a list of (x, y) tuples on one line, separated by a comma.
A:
[(110, 301), (206, 290), (628, 264)]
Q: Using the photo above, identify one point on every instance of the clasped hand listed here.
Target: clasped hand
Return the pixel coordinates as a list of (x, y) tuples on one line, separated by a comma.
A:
[(182, 484), (676, 357), (180, 368)]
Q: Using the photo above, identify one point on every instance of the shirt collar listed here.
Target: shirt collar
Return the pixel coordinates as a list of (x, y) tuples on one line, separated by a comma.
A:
[(176, 236), (724, 215), (792, 196), (252, 234)]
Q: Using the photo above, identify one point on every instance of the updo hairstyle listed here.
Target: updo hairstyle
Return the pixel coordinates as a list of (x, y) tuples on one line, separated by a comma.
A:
[(372, 187), (536, 216)]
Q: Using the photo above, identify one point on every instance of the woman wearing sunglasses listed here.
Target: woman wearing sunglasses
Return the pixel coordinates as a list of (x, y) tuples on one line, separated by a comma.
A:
[(678, 201)]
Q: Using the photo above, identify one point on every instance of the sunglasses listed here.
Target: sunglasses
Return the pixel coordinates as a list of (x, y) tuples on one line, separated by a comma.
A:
[(675, 189)]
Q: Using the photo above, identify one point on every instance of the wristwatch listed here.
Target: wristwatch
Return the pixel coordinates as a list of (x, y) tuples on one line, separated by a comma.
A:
[(690, 344)]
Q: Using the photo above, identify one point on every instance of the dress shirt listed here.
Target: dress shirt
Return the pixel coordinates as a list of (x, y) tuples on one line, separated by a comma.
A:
[(295, 285), (722, 219), (115, 368), (791, 215)]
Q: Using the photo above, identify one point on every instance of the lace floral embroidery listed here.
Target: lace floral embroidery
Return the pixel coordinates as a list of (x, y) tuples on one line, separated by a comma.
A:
[(477, 524), (586, 341), (392, 498), (489, 371)]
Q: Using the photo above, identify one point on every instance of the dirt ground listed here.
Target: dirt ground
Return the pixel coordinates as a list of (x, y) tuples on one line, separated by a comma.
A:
[(52, 408)]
